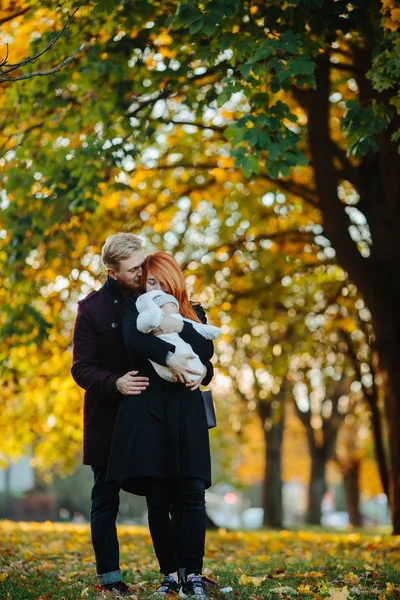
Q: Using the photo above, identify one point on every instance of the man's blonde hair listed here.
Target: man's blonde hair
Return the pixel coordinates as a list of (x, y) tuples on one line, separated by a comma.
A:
[(118, 247)]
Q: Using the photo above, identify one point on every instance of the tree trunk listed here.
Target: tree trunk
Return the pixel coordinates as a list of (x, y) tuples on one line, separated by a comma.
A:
[(372, 398), (391, 373), (317, 487), (272, 485), (273, 426), (351, 482), (376, 277), (380, 455)]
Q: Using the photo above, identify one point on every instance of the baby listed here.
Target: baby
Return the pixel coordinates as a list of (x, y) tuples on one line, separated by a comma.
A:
[(152, 307)]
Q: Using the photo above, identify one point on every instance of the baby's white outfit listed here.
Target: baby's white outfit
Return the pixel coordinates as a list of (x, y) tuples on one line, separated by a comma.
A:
[(150, 317)]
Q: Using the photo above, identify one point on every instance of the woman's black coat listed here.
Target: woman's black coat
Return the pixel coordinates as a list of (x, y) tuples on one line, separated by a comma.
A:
[(163, 431)]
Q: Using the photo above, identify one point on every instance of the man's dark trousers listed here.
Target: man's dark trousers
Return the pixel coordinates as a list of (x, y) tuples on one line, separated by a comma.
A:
[(103, 514)]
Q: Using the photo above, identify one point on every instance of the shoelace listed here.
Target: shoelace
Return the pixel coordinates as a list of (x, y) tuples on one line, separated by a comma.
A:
[(197, 585), (164, 586)]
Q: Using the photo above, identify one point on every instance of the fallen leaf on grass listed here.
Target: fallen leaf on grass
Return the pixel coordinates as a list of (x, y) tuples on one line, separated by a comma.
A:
[(284, 589), (246, 580), (304, 589), (339, 593), (352, 578)]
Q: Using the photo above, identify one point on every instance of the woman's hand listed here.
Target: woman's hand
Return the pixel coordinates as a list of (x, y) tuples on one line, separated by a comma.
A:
[(169, 324), (178, 363), (194, 385)]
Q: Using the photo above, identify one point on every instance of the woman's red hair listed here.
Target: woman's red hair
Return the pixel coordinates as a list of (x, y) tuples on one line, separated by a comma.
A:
[(165, 268)]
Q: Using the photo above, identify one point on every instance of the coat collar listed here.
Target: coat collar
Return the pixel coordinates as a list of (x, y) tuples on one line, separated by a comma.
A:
[(112, 287)]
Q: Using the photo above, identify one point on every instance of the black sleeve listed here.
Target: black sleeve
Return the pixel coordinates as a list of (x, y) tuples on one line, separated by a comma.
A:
[(203, 318), (86, 368), (202, 347), (142, 344), (200, 312), (209, 375)]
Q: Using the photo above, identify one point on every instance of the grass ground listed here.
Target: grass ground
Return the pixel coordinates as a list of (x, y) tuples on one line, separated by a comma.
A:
[(55, 561)]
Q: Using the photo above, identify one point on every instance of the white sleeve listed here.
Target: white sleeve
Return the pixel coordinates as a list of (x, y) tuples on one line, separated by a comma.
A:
[(208, 331), (149, 319)]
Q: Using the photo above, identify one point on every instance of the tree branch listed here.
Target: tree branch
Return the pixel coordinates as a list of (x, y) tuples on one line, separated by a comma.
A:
[(276, 235), (14, 15), (142, 105), (304, 192), (31, 59), (195, 124), (44, 73)]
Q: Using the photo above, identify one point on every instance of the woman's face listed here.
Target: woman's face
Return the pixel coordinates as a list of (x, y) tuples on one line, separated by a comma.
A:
[(152, 283)]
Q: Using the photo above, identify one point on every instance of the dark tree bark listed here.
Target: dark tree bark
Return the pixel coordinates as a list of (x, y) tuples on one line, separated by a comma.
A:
[(321, 448), (371, 397), (317, 487), (272, 415), (377, 182), (351, 482)]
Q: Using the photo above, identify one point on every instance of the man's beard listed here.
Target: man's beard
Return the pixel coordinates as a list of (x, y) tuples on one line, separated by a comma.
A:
[(129, 286)]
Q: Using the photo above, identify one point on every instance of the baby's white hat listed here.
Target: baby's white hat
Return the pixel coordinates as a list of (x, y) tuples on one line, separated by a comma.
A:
[(162, 298)]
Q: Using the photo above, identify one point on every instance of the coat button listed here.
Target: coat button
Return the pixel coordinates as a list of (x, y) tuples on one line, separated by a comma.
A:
[(114, 325)]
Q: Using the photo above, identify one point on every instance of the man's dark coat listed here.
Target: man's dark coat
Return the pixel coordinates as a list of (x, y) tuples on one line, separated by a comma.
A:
[(99, 359)]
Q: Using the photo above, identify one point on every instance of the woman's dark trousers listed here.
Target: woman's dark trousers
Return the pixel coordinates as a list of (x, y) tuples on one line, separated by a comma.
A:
[(103, 514), (177, 521)]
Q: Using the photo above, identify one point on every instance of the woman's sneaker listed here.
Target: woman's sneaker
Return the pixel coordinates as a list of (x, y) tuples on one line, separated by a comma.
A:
[(193, 588), (168, 586)]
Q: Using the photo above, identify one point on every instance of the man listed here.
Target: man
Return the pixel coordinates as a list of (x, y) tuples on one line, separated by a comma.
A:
[(101, 368)]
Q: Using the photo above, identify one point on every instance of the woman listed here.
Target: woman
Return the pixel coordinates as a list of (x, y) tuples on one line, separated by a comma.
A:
[(161, 440)]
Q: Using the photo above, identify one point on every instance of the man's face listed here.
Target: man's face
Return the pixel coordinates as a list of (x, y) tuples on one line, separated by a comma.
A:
[(129, 272)]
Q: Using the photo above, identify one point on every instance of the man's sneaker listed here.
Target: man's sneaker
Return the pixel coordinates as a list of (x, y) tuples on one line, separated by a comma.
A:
[(119, 589), (168, 586), (193, 588)]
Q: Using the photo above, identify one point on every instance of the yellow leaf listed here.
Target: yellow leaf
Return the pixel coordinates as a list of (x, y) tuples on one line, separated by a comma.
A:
[(246, 580), (339, 594), (284, 589), (351, 578), (304, 589)]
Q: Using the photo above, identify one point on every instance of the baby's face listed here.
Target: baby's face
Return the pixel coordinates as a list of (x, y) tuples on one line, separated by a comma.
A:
[(170, 309)]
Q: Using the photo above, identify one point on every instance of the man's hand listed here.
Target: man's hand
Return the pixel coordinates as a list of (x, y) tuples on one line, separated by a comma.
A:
[(178, 363), (194, 385), (169, 324), (130, 384)]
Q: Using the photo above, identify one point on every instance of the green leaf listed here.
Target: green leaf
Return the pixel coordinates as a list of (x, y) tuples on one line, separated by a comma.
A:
[(265, 50), (301, 65), (250, 165), (196, 26), (251, 136), (209, 25), (273, 170)]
